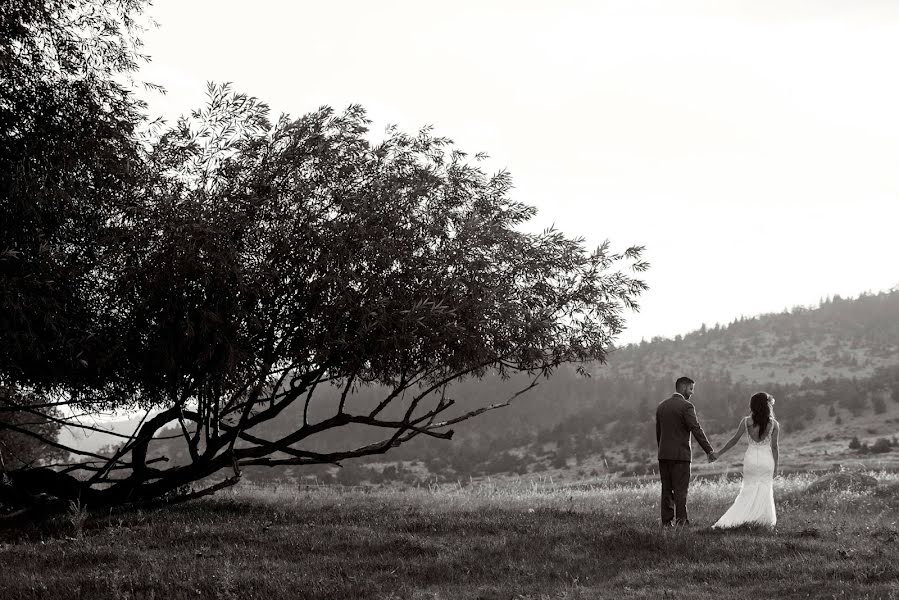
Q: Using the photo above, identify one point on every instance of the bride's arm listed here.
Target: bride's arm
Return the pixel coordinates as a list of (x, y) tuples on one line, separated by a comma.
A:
[(736, 438), (775, 431)]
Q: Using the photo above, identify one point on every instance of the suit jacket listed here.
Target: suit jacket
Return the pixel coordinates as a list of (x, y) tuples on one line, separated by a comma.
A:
[(675, 421)]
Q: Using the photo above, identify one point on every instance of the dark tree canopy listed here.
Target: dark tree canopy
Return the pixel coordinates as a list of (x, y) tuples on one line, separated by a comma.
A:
[(236, 266), (68, 154)]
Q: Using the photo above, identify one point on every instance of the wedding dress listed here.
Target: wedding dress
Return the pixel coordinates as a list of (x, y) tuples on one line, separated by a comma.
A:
[(755, 502)]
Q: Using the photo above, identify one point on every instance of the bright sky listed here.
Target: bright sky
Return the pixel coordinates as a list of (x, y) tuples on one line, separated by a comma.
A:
[(752, 147)]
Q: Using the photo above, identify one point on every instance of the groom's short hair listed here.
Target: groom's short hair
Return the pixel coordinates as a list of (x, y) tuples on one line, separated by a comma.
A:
[(682, 381)]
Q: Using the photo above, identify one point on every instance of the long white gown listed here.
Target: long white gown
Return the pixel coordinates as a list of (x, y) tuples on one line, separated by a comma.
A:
[(755, 502)]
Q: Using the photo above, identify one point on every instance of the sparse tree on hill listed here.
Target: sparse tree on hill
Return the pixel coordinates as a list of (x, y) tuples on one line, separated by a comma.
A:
[(881, 445), (559, 461)]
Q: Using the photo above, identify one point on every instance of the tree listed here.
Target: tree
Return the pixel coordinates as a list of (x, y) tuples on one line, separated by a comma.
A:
[(881, 445), (559, 461), (260, 264), (21, 432), (69, 154)]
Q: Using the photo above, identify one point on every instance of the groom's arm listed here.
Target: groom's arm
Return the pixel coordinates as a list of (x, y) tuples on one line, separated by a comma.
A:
[(694, 426), (658, 431)]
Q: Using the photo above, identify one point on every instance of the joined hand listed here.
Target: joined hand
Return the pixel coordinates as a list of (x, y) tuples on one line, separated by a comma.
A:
[(713, 456)]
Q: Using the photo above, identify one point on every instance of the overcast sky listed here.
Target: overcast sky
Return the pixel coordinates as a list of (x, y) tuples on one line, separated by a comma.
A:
[(752, 147)]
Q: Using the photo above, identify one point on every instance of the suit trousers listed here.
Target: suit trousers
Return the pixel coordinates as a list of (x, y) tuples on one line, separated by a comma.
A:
[(675, 475)]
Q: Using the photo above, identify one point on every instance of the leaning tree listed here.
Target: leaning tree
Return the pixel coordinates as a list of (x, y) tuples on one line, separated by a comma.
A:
[(247, 266)]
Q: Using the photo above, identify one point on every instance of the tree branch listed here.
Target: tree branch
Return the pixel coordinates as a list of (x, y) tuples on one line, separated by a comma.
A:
[(484, 409), (48, 442)]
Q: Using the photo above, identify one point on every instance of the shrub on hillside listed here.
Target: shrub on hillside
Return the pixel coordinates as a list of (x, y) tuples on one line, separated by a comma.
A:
[(881, 445), (559, 461)]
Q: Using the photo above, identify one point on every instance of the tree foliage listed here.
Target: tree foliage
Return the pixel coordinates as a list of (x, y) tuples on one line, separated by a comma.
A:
[(23, 432), (232, 267), (67, 156), (263, 261)]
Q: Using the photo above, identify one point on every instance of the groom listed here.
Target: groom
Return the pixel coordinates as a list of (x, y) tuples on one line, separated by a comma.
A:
[(675, 421)]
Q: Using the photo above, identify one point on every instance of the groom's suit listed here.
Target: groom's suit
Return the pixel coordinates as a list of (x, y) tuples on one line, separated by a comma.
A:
[(675, 421)]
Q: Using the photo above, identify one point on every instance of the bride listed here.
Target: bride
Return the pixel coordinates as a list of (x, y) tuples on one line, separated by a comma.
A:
[(755, 502)]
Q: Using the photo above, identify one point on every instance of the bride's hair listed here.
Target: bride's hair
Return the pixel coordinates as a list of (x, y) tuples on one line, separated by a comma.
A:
[(760, 406)]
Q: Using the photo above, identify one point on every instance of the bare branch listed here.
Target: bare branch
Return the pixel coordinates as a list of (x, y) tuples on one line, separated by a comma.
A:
[(121, 451), (400, 387), (484, 409), (88, 466), (191, 443), (346, 390)]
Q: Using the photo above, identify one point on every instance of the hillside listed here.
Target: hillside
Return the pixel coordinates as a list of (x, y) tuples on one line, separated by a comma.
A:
[(839, 338), (834, 370)]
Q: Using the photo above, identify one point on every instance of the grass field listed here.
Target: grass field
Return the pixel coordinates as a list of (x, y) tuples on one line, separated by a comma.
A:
[(530, 540)]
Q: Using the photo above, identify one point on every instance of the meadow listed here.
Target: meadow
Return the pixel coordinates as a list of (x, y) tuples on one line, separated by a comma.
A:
[(525, 540)]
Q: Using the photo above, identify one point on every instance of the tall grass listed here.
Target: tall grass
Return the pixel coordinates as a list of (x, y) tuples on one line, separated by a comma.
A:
[(528, 539)]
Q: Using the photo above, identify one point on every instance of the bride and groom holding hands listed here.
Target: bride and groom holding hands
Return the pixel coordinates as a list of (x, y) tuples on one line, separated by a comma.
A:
[(676, 421)]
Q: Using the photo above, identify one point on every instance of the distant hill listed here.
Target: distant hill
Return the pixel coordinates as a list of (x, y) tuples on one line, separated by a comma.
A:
[(832, 368), (839, 338), (92, 441)]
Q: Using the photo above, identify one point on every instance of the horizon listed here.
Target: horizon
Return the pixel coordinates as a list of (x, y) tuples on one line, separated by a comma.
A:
[(735, 319)]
